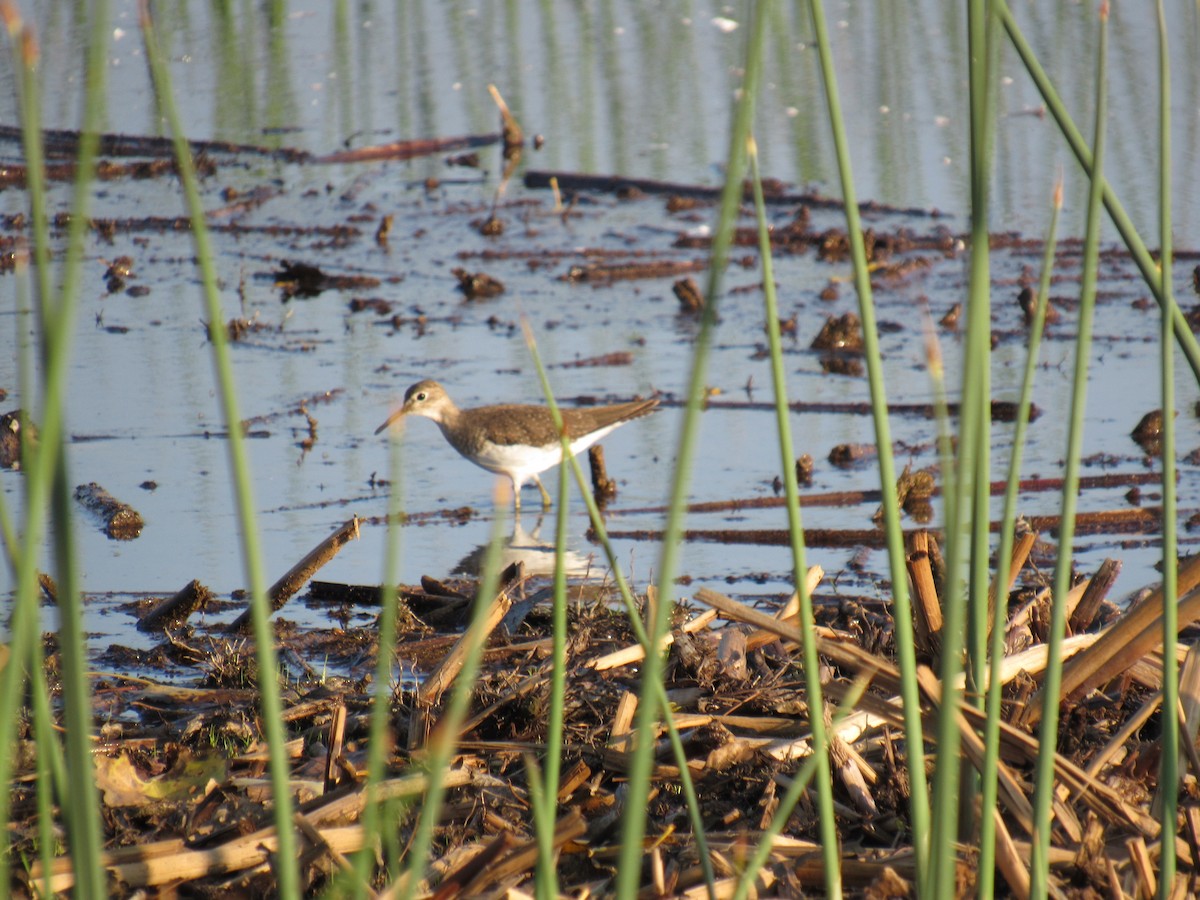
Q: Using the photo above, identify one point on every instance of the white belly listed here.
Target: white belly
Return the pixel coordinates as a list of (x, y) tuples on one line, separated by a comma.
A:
[(522, 463)]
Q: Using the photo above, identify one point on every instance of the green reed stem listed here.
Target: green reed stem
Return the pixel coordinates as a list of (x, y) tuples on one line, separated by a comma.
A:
[(83, 815), (8, 533), (379, 729), (51, 775), (830, 845), (1133, 242), (999, 591), (83, 812), (941, 414), (545, 875), (548, 870), (965, 591), (9, 543), (1044, 788), (43, 713), (634, 817), (286, 868), (445, 735), (45, 819), (545, 789), (799, 782), (1168, 776), (24, 625), (23, 312), (901, 607), (601, 536), (983, 42), (46, 475)]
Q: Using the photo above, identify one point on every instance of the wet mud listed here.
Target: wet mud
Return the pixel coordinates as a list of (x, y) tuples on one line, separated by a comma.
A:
[(181, 761)]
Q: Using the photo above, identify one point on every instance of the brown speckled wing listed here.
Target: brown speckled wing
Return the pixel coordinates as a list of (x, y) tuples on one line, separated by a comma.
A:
[(510, 424), (513, 424), (580, 421)]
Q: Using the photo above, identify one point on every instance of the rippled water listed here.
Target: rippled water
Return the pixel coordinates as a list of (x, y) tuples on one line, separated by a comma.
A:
[(614, 89)]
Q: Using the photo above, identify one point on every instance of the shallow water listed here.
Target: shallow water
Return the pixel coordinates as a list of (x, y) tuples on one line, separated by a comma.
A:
[(630, 93)]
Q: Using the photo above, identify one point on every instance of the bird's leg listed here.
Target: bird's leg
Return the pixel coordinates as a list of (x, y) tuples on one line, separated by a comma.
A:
[(516, 496), (545, 494)]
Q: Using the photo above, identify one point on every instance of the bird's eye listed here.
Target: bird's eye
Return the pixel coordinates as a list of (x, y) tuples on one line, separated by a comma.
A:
[(421, 396)]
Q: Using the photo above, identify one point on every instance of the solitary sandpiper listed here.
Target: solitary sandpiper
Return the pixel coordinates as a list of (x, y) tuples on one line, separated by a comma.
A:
[(511, 439)]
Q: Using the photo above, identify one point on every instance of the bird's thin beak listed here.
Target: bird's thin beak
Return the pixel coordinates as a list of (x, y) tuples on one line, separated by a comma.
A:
[(392, 418)]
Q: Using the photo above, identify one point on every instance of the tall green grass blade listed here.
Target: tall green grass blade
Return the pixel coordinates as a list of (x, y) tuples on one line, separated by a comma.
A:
[(83, 814), (83, 811), (24, 622), (445, 736), (634, 816), (830, 845), (999, 591), (547, 874), (286, 868), (799, 783), (45, 812), (543, 782), (964, 595), (9, 543), (378, 738), (22, 312), (901, 607), (1044, 787), (1168, 776), (51, 767), (46, 476), (635, 621), (941, 413), (1133, 242), (982, 42), (22, 70)]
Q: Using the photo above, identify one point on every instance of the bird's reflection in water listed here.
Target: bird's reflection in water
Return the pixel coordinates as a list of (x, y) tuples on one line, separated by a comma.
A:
[(527, 548)]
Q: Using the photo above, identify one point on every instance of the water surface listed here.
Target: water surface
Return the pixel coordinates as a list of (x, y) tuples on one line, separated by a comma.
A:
[(614, 89)]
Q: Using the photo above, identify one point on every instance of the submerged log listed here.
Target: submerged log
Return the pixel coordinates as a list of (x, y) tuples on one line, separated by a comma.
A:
[(121, 521)]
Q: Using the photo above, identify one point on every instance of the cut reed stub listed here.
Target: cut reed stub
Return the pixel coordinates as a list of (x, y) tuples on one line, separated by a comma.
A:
[(1027, 300), (477, 285), (604, 489), (11, 425), (1148, 433), (843, 333), (691, 298), (804, 469), (927, 605)]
